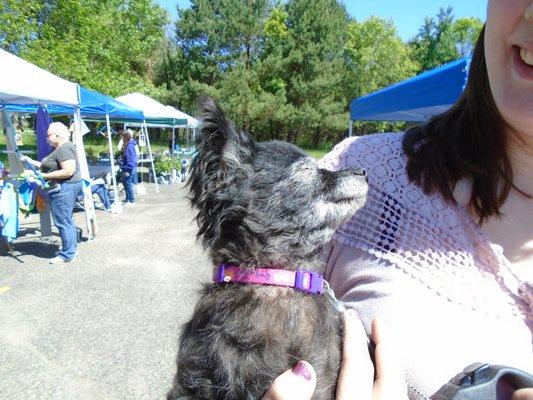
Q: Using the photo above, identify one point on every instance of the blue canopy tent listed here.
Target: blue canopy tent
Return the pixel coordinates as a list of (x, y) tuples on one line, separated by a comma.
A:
[(95, 106), (415, 99)]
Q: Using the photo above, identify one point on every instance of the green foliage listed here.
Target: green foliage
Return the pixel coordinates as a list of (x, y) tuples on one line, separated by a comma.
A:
[(441, 39), (19, 22), (104, 45), (466, 31), (376, 56), (164, 165), (281, 69), (434, 43), (276, 25)]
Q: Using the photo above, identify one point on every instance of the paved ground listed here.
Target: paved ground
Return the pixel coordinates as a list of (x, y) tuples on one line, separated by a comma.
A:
[(105, 326)]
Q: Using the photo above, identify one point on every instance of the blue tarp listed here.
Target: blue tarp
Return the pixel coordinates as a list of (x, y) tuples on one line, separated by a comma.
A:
[(42, 122), (415, 99), (93, 105)]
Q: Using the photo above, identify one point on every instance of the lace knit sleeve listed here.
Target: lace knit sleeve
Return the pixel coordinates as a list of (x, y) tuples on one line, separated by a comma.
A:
[(337, 159), (416, 232)]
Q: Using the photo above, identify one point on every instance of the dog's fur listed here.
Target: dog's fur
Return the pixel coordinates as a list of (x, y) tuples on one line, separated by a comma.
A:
[(261, 204)]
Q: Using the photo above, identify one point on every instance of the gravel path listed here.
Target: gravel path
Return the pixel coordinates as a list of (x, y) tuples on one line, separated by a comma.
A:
[(106, 325)]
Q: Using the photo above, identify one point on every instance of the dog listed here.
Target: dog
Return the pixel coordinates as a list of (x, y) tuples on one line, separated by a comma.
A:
[(261, 206)]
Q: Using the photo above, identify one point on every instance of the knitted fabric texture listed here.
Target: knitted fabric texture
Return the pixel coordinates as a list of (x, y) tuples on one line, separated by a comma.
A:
[(429, 239)]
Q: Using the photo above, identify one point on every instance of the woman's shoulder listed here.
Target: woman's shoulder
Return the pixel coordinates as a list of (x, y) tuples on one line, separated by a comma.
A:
[(365, 151), (380, 155)]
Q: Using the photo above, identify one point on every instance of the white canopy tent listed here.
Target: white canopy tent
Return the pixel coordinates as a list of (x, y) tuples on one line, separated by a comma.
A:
[(191, 124), (156, 115), (21, 82)]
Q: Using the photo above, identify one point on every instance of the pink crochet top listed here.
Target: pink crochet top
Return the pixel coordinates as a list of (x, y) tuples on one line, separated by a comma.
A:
[(449, 296)]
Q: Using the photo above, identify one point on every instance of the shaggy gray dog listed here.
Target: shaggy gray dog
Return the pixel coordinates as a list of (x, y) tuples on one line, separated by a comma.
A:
[(261, 205)]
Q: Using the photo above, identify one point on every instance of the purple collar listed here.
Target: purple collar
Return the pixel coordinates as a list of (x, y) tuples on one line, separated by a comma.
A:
[(304, 280)]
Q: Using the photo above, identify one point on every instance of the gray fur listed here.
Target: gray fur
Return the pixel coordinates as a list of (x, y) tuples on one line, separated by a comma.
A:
[(261, 204)]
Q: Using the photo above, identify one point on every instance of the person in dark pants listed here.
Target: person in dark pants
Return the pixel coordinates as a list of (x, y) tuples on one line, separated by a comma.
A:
[(61, 167), (129, 162)]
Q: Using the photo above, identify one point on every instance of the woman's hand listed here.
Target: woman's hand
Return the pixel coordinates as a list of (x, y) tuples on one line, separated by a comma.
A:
[(356, 378), (523, 394)]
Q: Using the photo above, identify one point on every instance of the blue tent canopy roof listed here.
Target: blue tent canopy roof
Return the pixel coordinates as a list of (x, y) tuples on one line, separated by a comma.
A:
[(417, 98), (93, 106)]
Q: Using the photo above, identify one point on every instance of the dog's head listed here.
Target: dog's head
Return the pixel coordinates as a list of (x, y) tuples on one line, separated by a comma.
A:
[(265, 203)]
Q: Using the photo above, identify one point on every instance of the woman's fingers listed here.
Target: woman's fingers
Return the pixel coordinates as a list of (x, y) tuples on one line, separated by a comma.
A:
[(297, 383), (523, 394), (390, 382), (356, 376)]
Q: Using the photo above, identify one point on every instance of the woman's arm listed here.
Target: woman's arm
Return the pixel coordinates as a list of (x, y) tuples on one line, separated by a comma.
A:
[(68, 168), (27, 159)]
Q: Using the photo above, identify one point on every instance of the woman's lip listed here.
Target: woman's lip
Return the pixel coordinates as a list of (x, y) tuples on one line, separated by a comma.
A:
[(522, 69)]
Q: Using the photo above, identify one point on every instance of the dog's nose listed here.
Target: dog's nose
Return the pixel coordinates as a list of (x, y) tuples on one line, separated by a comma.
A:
[(360, 172)]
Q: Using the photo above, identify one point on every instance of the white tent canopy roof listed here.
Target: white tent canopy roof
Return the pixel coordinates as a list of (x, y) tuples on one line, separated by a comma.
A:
[(22, 82), (191, 122), (152, 109)]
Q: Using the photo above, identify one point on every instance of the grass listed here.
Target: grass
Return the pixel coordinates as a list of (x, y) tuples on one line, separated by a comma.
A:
[(96, 144), (317, 153)]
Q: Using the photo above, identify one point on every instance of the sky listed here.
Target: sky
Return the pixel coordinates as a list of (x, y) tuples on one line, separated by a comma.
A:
[(407, 15)]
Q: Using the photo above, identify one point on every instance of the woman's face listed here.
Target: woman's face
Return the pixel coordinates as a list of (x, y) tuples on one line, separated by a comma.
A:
[(53, 139), (509, 56)]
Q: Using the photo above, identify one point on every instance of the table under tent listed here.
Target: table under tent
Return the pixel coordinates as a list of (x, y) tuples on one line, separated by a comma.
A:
[(23, 88), (415, 99)]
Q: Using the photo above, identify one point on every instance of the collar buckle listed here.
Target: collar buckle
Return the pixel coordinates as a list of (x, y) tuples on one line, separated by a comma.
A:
[(309, 281)]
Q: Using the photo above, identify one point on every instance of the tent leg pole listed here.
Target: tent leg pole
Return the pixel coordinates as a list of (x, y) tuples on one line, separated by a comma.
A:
[(150, 154), (116, 206), (350, 129), (173, 142), (90, 215)]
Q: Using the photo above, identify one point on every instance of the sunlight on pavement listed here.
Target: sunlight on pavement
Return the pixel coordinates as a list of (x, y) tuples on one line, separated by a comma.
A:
[(4, 289)]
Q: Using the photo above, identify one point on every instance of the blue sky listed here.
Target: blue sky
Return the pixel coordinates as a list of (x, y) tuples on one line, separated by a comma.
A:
[(407, 15)]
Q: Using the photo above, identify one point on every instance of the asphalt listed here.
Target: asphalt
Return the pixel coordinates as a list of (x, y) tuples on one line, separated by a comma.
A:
[(105, 326)]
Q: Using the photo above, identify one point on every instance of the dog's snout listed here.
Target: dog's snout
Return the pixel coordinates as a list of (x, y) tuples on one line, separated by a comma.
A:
[(360, 172)]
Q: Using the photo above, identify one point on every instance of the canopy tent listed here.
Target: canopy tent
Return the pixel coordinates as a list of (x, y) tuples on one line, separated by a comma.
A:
[(415, 99), (23, 82), (155, 113), (96, 106), (92, 105), (191, 122)]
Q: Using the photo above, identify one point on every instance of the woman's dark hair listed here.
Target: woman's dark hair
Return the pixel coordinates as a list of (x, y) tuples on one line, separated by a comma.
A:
[(468, 140)]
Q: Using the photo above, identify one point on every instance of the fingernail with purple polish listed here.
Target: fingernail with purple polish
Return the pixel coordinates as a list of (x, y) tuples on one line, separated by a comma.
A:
[(302, 370)]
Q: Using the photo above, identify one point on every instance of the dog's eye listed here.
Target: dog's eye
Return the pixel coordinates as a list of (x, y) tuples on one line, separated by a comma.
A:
[(305, 168)]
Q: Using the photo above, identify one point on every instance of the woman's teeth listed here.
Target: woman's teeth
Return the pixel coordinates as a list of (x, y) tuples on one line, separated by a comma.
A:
[(526, 56)]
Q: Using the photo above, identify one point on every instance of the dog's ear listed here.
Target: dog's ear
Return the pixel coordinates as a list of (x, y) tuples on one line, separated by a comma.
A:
[(219, 170), (218, 139)]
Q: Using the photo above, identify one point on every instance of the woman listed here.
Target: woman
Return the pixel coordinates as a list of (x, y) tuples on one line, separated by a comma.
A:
[(129, 163), (443, 248), (61, 167)]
